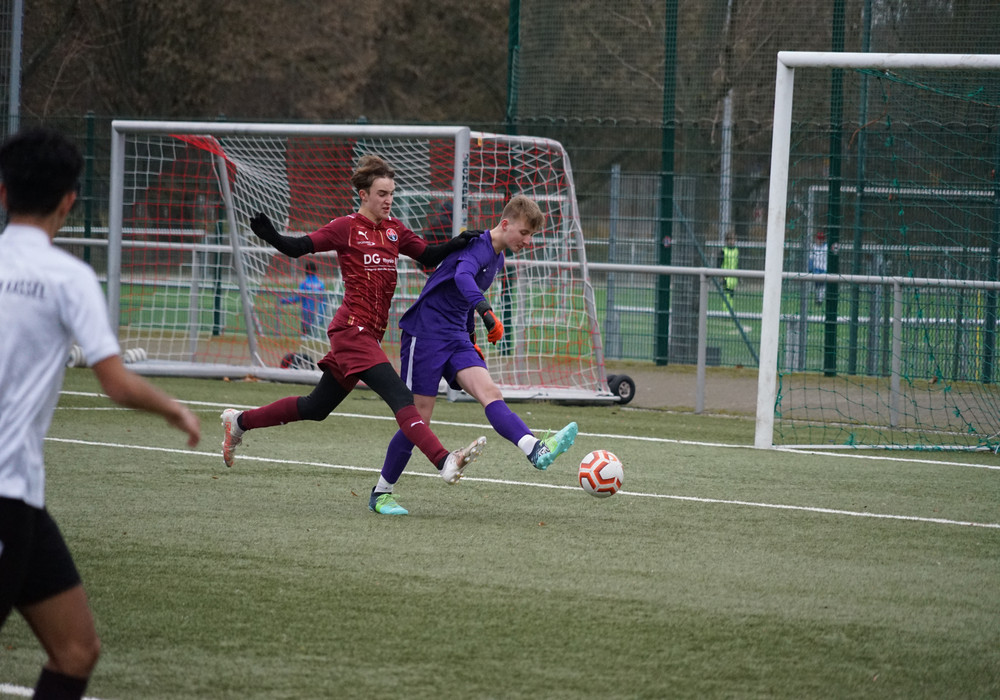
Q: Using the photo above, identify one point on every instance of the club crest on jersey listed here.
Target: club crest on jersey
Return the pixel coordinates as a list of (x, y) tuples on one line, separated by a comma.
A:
[(390, 233)]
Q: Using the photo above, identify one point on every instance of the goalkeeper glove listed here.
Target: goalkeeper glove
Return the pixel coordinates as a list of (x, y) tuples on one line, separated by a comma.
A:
[(472, 337), (292, 246), (494, 328), (262, 226)]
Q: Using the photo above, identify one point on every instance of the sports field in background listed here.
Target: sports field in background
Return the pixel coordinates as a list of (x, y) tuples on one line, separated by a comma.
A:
[(719, 570)]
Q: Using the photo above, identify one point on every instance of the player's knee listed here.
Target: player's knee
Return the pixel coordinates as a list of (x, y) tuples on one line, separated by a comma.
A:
[(488, 394), (310, 409), (76, 657)]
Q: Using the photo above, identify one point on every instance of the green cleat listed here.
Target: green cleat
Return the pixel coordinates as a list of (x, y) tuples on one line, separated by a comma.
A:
[(550, 447), (385, 504)]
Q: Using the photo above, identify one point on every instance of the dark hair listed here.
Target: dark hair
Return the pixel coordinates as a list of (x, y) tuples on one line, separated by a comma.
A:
[(39, 167), (310, 267), (369, 169)]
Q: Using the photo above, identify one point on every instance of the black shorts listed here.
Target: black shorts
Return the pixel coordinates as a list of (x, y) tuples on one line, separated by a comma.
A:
[(35, 562)]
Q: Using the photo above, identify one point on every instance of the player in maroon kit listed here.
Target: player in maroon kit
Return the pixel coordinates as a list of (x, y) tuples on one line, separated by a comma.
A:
[(367, 244)]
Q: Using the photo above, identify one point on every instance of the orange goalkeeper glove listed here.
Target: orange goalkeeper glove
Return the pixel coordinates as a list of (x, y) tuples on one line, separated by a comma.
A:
[(494, 327), (472, 337)]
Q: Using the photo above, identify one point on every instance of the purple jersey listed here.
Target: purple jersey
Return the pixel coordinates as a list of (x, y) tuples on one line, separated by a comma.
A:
[(445, 308)]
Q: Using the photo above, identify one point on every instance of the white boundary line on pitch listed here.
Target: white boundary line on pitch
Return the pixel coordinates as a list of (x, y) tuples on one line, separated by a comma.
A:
[(611, 436), (23, 692), (510, 482)]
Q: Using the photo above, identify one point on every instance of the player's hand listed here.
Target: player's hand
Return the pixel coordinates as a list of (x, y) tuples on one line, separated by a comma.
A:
[(467, 236), (187, 422), (472, 337), (494, 327), (262, 226)]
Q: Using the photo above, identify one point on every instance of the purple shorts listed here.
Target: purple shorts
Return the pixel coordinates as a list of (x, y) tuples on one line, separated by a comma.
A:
[(424, 361)]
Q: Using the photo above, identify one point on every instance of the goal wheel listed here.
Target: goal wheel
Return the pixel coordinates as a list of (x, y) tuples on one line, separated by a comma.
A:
[(622, 386)]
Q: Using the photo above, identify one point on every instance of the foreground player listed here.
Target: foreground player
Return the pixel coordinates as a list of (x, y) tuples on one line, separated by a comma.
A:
[(48, 298), (367, 244), (438, 340)]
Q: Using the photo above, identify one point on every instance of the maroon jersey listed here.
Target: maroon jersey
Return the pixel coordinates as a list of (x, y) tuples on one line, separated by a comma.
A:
[(367, 254)]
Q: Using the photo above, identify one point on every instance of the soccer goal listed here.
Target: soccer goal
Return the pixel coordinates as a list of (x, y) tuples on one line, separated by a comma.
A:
[(896, 345), (191, 285)]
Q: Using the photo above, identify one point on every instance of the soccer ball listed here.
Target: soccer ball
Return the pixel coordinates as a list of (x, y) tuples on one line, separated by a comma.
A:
[(601, 474)]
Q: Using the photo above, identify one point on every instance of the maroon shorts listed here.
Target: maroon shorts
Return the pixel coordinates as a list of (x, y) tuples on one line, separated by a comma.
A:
[(352, 350)]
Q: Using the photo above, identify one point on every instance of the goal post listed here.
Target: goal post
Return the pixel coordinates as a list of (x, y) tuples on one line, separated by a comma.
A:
[(202, 296), (921, 184)]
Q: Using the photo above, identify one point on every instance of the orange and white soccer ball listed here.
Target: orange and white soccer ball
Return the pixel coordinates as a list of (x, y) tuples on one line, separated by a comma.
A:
[(601, 474)]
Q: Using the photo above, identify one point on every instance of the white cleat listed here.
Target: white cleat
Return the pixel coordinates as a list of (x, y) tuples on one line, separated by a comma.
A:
[(457, 461), (233, 435)]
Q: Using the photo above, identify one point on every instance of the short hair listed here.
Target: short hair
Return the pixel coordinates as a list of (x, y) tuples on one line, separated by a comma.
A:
[(38, 167), (369, 169), (522, 207), (310, 267)]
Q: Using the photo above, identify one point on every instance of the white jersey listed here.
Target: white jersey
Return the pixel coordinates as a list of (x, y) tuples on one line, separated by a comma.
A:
[(47, 298)]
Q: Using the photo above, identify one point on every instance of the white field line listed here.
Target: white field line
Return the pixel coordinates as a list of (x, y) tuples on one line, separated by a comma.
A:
[(22, 692), (207, 405), (510, 482)]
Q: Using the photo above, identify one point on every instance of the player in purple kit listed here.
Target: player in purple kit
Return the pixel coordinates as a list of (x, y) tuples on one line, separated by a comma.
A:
[(439, 340), (367, 244)]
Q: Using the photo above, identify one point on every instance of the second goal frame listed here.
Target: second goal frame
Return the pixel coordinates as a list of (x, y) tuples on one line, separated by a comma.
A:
[(787, 63)]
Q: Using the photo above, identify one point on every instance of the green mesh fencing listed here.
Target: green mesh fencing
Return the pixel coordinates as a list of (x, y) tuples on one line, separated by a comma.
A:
[(678, 96)]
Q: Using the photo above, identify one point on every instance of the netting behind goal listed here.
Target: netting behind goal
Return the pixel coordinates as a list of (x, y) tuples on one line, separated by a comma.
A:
[(191, 285), (902, 199)]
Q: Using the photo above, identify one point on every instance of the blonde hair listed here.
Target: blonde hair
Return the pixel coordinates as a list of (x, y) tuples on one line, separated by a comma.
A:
[(525, 208), (369, 169)]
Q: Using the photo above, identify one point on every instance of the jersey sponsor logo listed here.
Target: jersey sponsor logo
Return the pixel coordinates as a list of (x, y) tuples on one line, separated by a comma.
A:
[(391, 234), (385, 262)]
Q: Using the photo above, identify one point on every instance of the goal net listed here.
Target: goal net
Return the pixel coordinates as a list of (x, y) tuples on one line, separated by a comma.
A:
[(897, 198), (191, 286)]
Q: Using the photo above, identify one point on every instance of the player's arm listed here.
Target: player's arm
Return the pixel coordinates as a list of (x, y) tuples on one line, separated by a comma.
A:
[(128, 389), (465, 281), (292, 246), (434, 254)]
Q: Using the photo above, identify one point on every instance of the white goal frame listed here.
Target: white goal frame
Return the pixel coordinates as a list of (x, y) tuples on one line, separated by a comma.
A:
[(787, 62), (592, 383)]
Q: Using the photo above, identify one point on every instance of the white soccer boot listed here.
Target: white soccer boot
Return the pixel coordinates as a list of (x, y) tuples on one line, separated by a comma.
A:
[(457, 461), (233, 435)]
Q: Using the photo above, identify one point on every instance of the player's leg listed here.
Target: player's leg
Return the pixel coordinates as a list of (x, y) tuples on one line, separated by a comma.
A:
[(420, 370), (397, 456), (65, 627), (477, 382), (384, 381), (328, 393), (53, 603)]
